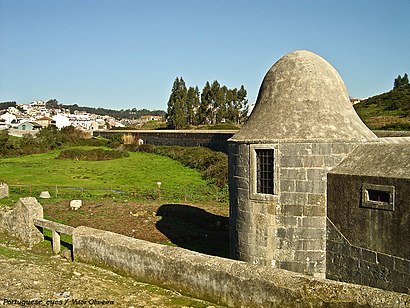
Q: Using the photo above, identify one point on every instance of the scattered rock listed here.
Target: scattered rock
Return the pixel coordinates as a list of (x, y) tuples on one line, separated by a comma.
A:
[(45, 195), (66, 254)]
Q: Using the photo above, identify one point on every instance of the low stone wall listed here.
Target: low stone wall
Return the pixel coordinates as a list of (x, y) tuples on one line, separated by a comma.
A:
[(391, 133), (224, 281), (214, 140)]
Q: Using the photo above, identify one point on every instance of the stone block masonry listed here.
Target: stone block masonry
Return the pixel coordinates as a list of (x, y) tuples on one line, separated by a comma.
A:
[(287, 229), (346, 262), (301, 219), (223, 281)]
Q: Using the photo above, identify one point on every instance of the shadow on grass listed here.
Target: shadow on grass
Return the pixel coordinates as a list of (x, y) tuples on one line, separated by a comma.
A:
[(195, 229), (47, 245)]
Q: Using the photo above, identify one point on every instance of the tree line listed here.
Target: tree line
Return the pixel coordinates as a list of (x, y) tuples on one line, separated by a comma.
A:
[(118, 114), (401, 81), (214, 105)]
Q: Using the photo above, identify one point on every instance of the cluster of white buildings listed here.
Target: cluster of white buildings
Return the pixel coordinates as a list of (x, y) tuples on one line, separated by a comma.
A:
[(35, 115)]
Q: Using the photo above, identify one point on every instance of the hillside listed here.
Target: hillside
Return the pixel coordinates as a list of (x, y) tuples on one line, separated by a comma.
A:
[(387, 111)]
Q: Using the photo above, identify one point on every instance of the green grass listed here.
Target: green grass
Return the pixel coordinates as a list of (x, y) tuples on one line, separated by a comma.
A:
[(135, 176), (387, 111)]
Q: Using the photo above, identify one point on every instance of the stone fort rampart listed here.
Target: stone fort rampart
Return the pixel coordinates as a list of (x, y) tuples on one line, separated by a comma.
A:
[(213, 139)]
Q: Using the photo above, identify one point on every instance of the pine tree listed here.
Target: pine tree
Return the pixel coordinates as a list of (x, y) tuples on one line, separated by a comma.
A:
[(242, 105), (192, 105), (401, 81), (231, 111), (204, 111), (405, 80), (216, 104), (176, 112), (215, 101)]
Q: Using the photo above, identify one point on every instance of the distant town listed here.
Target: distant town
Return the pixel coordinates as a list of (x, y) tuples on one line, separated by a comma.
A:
[(31, 117)]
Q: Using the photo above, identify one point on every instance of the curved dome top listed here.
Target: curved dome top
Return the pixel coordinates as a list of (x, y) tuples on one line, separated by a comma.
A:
[(303, 97)]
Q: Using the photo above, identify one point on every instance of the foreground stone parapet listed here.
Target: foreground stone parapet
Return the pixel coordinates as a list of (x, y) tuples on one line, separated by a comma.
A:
[(224, 281)]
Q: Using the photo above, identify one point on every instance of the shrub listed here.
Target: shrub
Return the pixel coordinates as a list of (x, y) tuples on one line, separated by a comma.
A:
[(115, 140), (96, 142), (212, 165), (92, 155)]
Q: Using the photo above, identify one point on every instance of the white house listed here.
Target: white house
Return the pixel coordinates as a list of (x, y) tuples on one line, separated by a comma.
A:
[(8, 117), (61, 121)]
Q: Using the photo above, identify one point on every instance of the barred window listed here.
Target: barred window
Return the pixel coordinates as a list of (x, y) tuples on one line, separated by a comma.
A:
[(265, 171)]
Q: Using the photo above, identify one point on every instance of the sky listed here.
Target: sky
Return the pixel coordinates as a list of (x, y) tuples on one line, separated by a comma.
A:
[(124, 54)]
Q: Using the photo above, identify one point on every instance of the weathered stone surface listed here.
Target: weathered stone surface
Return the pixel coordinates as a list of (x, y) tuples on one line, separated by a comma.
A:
[(373, 229), (224, 281), (302, 97), (19, 221), (350, 263), (213, 139), (378, 160), (4, 190), (293, 173), (303, 114), (45, 195)]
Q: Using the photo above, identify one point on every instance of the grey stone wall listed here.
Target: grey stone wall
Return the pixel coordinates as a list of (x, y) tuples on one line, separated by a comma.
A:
[(223, 281), (368, 246), (302, 213), (386, 231), (214, 140), (350, 263), (286, 230)]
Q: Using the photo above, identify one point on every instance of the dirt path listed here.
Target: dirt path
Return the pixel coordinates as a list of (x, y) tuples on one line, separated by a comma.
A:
[(41, 279)]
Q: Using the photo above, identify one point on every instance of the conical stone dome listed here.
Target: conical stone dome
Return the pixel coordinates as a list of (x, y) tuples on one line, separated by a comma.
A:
[(302, 97)]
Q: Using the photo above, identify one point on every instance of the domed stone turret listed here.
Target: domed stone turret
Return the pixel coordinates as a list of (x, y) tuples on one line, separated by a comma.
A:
[(302, 97), (302, 126)]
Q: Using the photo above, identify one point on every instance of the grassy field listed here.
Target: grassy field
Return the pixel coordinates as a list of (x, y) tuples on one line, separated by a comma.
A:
[(122, 196), (134, 177)]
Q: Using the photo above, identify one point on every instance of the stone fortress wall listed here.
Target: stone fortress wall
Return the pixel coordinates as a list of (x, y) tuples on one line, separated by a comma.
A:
[(215, 140)]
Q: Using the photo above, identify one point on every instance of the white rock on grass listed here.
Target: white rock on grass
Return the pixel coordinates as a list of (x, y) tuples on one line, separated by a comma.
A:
[(45, 195)]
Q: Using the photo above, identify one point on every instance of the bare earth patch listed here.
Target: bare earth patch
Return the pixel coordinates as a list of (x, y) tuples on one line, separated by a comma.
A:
[(202, 228)]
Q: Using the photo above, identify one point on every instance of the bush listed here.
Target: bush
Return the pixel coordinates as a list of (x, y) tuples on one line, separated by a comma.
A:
[(212, 165), (92, 155), (114, 140), (96, 142)]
